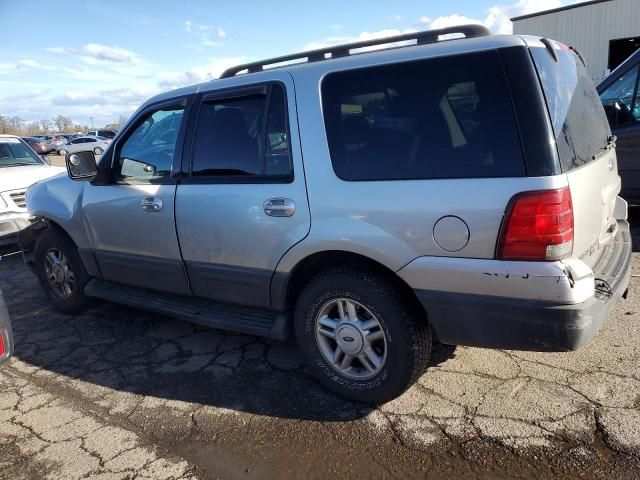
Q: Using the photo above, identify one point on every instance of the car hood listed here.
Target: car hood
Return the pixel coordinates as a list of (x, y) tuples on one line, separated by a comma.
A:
[(15, 178)]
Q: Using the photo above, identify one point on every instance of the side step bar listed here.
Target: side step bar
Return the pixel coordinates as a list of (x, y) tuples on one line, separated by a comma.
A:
[(251, 321)]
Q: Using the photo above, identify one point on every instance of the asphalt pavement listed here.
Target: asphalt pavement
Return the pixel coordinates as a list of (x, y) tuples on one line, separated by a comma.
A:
[(118, 393)]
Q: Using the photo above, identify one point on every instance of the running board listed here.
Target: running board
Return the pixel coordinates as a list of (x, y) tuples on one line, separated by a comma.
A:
[(251, 321)]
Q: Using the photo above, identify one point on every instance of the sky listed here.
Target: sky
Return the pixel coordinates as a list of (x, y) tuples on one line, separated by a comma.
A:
[(102, 59)]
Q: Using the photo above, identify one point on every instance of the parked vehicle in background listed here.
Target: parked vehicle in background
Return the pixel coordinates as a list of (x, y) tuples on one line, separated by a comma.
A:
[(105, 132), (69, 136), (6, 334), (20, 167), (620, 97), (59, 140), (97, 145), (40, 145), (448, 191)]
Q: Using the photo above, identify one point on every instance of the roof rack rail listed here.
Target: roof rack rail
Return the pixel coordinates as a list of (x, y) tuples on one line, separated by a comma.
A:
[(427, 36)]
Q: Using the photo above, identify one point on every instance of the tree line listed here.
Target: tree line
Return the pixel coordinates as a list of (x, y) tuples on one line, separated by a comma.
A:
[(15, 125)]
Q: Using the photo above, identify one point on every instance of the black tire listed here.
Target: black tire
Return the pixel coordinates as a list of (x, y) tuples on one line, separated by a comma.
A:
[(77, 301), (408, 336)]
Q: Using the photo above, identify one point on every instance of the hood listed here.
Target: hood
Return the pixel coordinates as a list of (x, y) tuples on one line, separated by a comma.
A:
[(16, 178)]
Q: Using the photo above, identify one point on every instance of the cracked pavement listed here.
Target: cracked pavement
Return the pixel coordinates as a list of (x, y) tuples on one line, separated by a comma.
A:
[(117, 393)]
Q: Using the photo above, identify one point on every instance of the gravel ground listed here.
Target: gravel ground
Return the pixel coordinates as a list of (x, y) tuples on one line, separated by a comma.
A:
[(117, 393)]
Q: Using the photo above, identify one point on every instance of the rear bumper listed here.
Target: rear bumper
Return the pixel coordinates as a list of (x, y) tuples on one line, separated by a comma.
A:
[(526, 324)]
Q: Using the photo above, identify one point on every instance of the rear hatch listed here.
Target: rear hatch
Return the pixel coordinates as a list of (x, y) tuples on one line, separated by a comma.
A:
[(585, 151)]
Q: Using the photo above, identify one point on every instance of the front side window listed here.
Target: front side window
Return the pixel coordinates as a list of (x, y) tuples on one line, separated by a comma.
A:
[(437, 118), (242, 137), (148, 152), (620, 100)]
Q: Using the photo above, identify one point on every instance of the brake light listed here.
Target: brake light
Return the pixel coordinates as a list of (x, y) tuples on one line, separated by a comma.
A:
[(538, 226), (2, 349)]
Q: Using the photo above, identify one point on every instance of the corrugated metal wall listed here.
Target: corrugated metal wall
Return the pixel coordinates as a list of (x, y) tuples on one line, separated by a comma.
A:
[(587, 28)]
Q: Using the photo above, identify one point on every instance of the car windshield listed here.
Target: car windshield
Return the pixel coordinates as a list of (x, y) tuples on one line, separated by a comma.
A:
[(14, 153)]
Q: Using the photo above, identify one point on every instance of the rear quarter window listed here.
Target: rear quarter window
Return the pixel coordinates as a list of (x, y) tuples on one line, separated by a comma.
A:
[(578, 118), (435, 118)]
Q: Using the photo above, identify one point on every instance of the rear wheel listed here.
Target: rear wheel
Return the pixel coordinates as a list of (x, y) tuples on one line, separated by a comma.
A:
[(61, 272), (361, 336)]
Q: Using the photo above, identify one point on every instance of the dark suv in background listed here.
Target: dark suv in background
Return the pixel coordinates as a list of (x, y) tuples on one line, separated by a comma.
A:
[(621, 100)]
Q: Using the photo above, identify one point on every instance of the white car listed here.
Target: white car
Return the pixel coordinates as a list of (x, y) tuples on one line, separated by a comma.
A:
[(88, 143), (20, 167)]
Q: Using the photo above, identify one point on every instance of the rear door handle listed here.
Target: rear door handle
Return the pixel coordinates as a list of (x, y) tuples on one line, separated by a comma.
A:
[(151, 204), (279, 207)]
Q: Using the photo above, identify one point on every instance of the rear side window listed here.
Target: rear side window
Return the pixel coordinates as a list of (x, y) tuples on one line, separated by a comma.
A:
[(579, 121), (438, 118)]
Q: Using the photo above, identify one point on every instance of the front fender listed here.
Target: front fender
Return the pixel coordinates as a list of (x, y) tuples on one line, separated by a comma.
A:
[(59, 200)]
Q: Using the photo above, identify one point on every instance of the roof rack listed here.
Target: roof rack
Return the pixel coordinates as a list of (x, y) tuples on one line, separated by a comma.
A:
[(427, 36)]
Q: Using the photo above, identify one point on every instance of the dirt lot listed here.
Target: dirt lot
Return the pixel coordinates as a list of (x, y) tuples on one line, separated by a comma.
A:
[(118, 393)]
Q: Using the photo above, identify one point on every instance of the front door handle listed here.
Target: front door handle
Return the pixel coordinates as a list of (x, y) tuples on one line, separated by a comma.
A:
[(151, 204), (279, 207)]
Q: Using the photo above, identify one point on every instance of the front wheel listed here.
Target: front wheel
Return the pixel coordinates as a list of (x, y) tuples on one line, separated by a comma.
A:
[(360, 335), (61, 272)]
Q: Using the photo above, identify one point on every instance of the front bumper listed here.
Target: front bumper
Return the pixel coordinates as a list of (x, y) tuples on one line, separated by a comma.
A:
[(530, 324), (6, 335), (10, 224)]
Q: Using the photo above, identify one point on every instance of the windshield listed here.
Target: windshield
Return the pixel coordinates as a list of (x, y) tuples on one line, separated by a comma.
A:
[(13, 153), (579, 122)]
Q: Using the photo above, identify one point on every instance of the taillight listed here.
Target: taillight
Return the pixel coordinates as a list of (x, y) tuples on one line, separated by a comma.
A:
[(538, 226), (2, 349)]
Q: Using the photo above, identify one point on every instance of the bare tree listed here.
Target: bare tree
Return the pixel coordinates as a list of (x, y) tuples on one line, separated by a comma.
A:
[(46, 126), (63, 124), (33, 128)]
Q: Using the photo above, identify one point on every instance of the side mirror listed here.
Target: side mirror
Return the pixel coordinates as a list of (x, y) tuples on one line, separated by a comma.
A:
[(81, 165), (46, 159)]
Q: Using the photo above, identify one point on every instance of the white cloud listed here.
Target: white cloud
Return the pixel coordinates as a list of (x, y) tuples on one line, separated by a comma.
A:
[(61, 50), (187, 26), (199, 74), (108, 54), (33, 64), (498, 18), (221, 33), (95, 53), (331, 41), (337, 27), (397, 18), (7, 68)]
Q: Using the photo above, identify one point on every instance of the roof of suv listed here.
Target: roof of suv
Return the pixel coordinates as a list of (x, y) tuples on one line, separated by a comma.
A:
[(396, 53)]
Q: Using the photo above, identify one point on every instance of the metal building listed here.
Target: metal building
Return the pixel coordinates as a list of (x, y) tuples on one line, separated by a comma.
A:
[(606, 32)]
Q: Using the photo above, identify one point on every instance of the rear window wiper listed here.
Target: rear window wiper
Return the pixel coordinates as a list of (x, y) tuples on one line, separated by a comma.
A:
[(606, 146)]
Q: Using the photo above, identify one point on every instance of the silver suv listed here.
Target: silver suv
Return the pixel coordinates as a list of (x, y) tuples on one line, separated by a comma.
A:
[(373, 202)]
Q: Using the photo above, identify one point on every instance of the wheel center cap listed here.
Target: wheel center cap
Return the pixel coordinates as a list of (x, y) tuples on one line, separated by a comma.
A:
[(349, 339), (58, 273)]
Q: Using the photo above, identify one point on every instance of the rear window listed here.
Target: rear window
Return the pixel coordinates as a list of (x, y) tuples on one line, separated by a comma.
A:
[(579, 121), (438, 118)]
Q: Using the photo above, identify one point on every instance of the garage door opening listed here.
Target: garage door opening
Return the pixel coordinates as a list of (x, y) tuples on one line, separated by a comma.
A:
[(621, 49)]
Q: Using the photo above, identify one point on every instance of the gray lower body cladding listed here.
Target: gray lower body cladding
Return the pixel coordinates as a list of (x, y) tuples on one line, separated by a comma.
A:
[(495, 322)]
